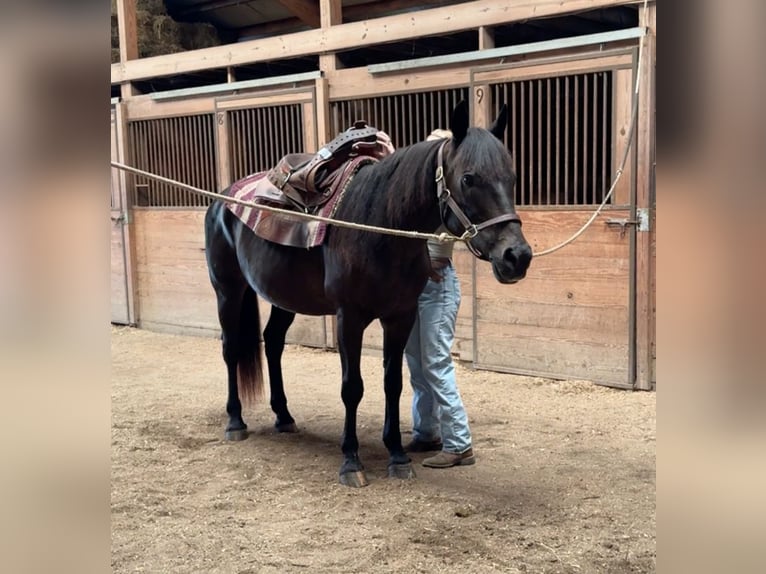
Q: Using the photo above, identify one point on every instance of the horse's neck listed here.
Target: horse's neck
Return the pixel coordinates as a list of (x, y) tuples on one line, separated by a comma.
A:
[(411, 204)]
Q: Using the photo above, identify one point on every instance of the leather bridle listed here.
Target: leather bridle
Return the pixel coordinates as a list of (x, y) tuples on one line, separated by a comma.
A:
[(444, 195)]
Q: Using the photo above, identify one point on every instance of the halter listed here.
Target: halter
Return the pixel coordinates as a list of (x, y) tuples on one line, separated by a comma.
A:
[(444, 195)]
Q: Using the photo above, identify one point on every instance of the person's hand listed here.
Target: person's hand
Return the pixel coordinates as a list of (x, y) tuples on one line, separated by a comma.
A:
[(435, 276)]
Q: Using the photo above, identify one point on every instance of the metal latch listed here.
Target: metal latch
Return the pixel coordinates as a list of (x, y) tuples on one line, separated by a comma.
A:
[(641, 222)]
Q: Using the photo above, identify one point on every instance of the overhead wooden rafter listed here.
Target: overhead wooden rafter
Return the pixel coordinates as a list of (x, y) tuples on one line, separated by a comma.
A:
[(305, 10), (436, 21)]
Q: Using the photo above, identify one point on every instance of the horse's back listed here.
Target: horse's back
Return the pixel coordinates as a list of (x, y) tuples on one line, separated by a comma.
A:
[(289, 277)]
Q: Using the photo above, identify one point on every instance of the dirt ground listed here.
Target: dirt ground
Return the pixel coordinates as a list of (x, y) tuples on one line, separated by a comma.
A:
[(564, 479)]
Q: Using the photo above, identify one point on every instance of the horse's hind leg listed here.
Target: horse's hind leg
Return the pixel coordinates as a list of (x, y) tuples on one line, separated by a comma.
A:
[(274, 343), (229, 309)]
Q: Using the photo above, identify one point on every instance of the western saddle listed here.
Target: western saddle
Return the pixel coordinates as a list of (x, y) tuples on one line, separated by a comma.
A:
[(307, 183), (309, 180)]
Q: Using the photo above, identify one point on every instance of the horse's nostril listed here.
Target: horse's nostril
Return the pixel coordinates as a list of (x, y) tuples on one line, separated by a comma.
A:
[(509, 256), (525, 257)]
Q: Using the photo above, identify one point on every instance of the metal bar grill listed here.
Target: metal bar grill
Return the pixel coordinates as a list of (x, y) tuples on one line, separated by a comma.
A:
[(261, 136), (560, 137), (180, 148), (407, 118)]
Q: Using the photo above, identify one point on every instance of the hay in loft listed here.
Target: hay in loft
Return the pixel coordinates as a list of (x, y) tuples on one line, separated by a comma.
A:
[(159, 34)]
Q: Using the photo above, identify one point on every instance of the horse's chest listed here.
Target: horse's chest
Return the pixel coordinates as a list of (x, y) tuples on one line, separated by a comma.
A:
[(384, 290)]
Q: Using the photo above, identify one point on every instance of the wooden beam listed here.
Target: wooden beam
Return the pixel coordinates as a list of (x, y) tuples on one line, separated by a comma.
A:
[(506, 51), (433, 22), (306, 11), (353, 13), (128, 32)]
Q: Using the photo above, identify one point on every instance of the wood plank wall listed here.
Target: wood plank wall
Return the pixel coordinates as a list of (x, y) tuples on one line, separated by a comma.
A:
[(174, 289), (570, 316)]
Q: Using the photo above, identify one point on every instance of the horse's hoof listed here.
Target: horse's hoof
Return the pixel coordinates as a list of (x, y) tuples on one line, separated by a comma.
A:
[(355, 479), (287, 427), (236, 434), (403, 471)]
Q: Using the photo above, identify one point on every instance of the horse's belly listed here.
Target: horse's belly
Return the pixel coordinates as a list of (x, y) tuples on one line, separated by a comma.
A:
[(287, 277)]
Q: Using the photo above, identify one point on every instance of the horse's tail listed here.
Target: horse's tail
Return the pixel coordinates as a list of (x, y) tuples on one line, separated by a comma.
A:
[(250, 356)]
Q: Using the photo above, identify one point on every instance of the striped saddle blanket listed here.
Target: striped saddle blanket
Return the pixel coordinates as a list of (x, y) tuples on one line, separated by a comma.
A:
[(289, 230)]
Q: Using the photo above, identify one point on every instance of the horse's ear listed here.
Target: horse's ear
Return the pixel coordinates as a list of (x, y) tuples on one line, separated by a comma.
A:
[(459, 125), (498, 128)]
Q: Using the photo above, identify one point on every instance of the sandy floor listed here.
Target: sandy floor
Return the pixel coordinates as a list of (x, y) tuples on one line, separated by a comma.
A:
[(564, 480)]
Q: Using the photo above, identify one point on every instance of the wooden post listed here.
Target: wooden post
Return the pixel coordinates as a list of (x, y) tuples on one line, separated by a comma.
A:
[(128, 34), (622, 104), (330, 14), (645, 203), (126, 183), (482, 104), (323, 121), (222, 149)]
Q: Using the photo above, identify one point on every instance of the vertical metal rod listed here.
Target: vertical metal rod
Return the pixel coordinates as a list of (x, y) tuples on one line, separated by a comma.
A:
[(522, 138), (186, 146), (575, 145), (531, 139), (604, 99), (585, 150), (271, 122), (152, 187), (558, 140), (548, 167), (419, 97), (163, 152), (539, 184), (594, 140), (234, 143), (566, 141), (199, 169), (515, 141), (245, 137)]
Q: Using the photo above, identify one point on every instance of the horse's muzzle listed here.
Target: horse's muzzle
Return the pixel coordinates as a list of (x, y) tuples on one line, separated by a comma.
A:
[(512, 265)]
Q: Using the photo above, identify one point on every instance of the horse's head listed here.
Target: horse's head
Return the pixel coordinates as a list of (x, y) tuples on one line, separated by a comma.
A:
[(476, 195)]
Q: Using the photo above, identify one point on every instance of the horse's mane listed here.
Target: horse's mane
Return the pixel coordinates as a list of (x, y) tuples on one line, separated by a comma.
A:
[(385, 193)]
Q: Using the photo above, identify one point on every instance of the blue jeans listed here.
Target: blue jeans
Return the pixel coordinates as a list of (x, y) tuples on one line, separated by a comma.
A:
[(437, 409)]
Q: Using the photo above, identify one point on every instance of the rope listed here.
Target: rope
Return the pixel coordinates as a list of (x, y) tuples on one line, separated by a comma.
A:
[(618, 173)]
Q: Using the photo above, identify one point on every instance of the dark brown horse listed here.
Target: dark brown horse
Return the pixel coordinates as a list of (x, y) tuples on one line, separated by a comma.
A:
[(360, 276)]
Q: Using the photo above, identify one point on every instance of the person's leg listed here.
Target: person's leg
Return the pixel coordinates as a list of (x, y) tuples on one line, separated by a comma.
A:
[(425, 423), (438, 313)]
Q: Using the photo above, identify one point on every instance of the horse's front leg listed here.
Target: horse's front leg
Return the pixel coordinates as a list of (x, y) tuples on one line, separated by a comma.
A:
[(350, 330), (274, 343), (396, 331)]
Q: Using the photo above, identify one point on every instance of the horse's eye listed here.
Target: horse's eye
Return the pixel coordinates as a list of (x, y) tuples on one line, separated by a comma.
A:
[(467, 180)]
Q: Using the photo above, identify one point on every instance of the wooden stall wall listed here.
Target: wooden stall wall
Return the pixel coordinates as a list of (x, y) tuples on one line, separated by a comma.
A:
[(236, 136), (570, 316)]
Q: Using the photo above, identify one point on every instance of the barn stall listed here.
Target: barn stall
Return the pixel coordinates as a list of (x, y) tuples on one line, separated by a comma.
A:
[(290, 77)]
